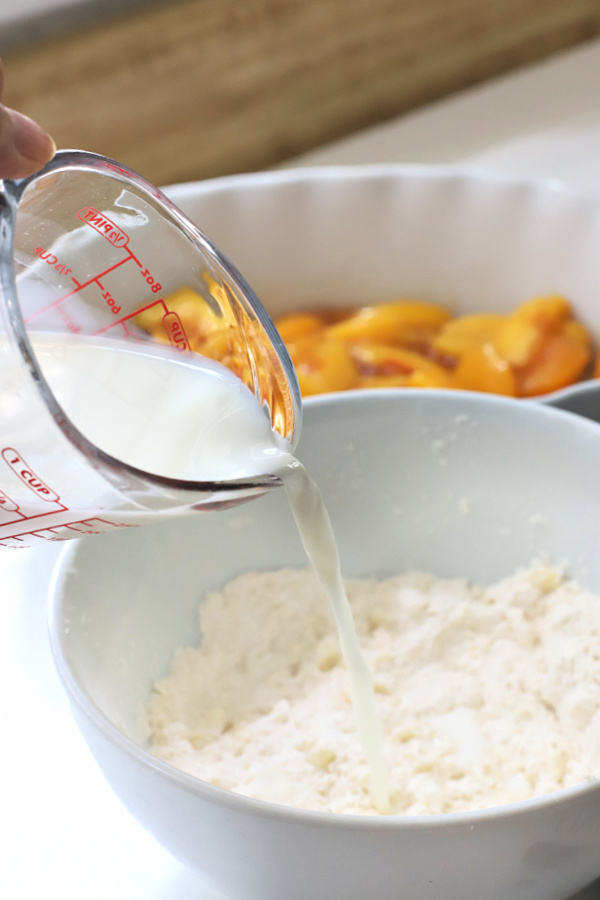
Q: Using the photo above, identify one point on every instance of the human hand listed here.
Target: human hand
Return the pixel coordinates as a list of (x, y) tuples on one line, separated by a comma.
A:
[(24, 146)]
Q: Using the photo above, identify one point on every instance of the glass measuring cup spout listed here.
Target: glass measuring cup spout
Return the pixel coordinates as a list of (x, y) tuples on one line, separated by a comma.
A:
[(132, 357)]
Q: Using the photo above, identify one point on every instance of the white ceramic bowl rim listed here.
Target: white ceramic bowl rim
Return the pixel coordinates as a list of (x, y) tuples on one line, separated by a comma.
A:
[(268, 809), (370, 170)]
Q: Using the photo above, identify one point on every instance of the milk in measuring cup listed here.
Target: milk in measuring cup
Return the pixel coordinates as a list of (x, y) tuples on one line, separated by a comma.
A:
[(172, 414)]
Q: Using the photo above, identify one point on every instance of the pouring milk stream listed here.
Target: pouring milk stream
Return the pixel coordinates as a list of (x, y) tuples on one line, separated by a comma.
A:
[(103, 427)]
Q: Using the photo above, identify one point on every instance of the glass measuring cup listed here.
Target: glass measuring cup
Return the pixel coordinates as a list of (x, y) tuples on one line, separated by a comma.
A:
[(91, 253)]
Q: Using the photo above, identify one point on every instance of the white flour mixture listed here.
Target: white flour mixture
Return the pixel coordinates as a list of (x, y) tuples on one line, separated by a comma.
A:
[(486, 695)]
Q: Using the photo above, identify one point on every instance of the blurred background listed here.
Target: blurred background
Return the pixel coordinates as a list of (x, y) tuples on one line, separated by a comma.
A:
[(189, 89)]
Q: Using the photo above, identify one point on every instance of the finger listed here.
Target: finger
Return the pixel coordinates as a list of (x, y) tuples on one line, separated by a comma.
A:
[(24, 146)]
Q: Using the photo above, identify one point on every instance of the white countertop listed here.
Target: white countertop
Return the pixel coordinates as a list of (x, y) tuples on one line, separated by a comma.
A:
[(542, 121), (66, 830)]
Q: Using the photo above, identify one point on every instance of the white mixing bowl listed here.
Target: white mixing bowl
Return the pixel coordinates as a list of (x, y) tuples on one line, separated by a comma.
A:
[(122, 602)]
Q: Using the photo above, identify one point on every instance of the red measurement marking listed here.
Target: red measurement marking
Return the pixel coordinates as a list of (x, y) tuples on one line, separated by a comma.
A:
[(20, 517), (7, 503), (52, 260), (175, 331), (104, 226), (71, 326), (170, 321), (117, 169), (90, 526), (110, 301), (132, 315), (19, 543), (155, 287), (70, 530), (79, 287), (18, 465), (63, 532)]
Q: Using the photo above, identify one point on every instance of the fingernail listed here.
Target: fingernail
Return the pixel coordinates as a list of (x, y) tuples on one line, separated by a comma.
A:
[(31, 141)]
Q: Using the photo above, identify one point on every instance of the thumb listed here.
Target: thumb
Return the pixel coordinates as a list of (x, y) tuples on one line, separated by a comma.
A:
[(24, 146)]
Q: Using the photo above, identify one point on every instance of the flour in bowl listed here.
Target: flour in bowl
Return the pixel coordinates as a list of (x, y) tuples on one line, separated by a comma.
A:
[(486, 695)]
